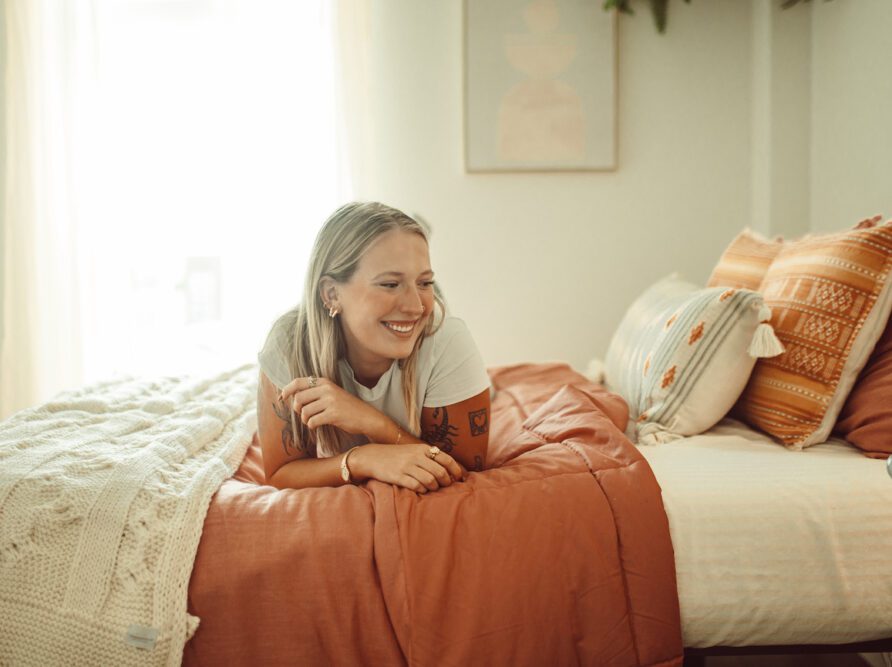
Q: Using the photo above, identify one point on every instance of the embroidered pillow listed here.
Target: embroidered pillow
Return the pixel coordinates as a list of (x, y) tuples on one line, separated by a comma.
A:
[(745, 261), (682, 355), (830, 297), (747, 258)]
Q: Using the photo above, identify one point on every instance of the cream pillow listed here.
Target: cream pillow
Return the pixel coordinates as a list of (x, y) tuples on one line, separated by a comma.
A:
[(682, 355)]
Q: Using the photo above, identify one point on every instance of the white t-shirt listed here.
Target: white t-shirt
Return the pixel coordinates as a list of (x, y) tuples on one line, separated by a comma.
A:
[(449, 370)]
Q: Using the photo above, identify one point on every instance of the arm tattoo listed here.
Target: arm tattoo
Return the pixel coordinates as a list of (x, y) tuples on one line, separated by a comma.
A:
[(287, 432), (288, 444), (441, 434), (479, 421), (478, 463)]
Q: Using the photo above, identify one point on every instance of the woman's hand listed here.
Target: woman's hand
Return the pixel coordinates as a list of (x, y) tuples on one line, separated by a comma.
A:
[(409, 466), (320, 401)]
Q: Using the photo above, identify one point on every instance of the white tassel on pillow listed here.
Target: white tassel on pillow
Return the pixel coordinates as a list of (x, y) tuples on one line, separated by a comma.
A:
[(595, 371), (765, 342)]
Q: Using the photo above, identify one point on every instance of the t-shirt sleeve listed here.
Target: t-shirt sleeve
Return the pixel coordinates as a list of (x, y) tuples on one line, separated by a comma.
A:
[(273, 357), (458, 371)]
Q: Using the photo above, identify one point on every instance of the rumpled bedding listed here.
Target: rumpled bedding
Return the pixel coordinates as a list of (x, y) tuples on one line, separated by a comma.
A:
[(557, 554)]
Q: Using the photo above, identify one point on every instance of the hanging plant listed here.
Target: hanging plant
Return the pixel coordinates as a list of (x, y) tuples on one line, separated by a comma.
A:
[(660, 9)]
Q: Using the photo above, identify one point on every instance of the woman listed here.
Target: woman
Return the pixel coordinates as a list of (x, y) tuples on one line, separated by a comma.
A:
[(368, 377)]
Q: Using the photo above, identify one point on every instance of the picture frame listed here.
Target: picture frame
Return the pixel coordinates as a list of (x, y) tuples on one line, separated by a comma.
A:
[(539, 86)]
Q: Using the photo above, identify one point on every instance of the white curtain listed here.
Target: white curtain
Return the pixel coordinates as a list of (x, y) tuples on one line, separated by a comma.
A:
[(168, 163)]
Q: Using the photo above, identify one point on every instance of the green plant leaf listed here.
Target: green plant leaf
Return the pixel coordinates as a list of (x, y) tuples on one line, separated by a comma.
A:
[(660, 9), (621, 6)]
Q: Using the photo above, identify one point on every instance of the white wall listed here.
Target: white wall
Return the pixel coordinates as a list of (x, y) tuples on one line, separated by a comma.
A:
[(851, 175), (781, 145), (715, 133)]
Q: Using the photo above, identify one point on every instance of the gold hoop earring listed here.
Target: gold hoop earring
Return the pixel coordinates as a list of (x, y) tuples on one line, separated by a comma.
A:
[(332, 311)]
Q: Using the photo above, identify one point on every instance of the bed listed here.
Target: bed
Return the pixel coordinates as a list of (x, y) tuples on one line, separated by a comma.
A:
[(779, 525), (544, 558), (568, 519), (777, 547), (135, 527), (136, 530)]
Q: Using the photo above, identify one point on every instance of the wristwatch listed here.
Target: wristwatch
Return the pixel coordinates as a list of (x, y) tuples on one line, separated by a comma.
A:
[(345, 470)]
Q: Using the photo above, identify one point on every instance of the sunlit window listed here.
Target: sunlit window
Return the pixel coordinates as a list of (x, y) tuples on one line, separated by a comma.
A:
[(206, 164)]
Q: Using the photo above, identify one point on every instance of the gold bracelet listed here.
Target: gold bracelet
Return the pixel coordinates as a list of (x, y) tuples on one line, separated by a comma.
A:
[(345, 468)]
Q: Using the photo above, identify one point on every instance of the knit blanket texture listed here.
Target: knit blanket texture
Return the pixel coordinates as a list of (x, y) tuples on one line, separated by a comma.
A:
[(103, 494)]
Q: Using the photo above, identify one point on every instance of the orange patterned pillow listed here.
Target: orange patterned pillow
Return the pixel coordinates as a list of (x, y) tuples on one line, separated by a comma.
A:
[(745, 261), (830, 296)]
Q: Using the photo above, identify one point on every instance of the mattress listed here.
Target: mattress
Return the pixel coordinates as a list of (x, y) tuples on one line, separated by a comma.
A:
[(774, 546)]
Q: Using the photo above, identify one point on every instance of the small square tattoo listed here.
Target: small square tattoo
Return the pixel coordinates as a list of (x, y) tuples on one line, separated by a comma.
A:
[(479, 421)]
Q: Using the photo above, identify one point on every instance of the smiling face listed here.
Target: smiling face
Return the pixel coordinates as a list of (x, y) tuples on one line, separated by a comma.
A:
[(386, 304)]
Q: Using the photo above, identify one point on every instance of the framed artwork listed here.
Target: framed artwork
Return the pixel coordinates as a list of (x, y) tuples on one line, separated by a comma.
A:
[(540, 85)]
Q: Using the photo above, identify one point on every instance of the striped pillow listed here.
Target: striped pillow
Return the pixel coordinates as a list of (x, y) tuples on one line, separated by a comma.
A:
[(747, 258), (831, 297), (745, 261), (682, 355)]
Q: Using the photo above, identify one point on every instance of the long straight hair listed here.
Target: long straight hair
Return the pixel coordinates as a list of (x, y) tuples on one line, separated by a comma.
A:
[(319, 341)]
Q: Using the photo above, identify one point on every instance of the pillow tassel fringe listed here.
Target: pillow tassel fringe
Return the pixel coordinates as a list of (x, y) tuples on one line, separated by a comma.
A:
[(595, 371), (652, 433), (765, 342)]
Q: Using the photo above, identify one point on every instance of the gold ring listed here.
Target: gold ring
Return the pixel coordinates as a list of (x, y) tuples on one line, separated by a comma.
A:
[(433, 453), (313, 380)]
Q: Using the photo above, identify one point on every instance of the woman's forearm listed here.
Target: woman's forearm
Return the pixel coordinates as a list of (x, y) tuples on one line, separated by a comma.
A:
[(313, 472), (317, 472), (384, 430)]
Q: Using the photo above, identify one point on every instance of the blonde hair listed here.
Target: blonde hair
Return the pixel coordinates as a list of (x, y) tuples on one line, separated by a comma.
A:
[(318, 341)]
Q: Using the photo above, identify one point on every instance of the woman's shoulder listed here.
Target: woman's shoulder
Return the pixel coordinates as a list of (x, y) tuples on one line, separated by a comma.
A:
[(282, 329), (275, 355), (287, 319), (454, 369), (450, 338), (449, 328)]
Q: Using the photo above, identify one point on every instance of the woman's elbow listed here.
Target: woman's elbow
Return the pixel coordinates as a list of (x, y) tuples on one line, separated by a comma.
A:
[(480, 461), (475, 459), (277, 478), (270, 479)]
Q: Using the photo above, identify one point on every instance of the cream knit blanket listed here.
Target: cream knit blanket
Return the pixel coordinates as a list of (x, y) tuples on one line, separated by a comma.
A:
[(103, 493)]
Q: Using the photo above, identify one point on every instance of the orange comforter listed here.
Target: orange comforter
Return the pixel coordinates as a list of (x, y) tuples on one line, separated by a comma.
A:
[(557, 554)]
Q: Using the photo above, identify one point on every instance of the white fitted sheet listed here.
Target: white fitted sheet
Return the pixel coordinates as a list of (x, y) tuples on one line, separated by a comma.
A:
[(774, 546)]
